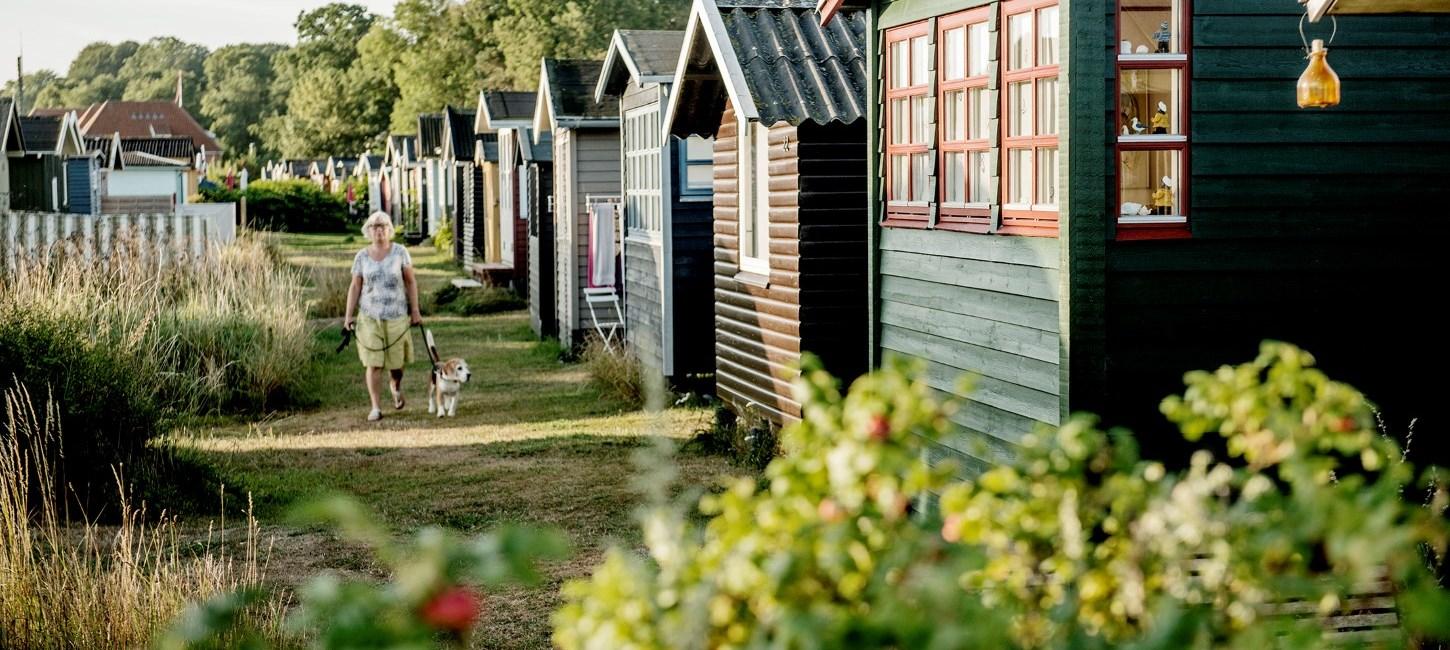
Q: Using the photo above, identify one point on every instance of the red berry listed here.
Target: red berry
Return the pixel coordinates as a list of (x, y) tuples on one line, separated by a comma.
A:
[(951, 529), (880, 428), (455, 609), (1345, 424), (830, 511)]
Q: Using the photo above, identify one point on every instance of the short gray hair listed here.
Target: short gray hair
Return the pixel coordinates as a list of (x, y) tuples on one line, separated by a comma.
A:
[(378, 218)]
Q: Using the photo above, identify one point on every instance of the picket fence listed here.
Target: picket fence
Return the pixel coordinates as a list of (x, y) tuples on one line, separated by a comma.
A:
[(189, 234)]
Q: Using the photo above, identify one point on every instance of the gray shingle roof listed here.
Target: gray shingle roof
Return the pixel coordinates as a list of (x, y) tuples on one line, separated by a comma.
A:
[(571, 90), (405, 145), (794, 69), (655, 51), (510, 104), (173, 148)]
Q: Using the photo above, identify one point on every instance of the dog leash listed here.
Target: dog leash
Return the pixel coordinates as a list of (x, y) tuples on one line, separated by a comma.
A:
[(348, 335)]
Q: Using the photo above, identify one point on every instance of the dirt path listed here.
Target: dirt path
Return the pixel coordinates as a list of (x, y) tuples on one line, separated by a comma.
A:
[(532, 443)]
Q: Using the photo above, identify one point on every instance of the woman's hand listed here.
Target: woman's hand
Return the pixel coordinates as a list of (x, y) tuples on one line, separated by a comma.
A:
[(349, 324), (417, 317)]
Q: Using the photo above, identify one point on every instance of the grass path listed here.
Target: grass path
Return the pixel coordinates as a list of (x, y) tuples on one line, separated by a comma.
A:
[(532, 443)]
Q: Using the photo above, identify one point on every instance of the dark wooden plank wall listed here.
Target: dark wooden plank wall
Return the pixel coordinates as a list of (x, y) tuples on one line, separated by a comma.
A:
[(757, 328), (831, 217), (1322, 228), (542, 316), (692, 252), (30, 186)]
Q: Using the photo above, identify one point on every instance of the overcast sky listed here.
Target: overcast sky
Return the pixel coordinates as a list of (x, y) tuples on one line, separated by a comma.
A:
[(56, 30)]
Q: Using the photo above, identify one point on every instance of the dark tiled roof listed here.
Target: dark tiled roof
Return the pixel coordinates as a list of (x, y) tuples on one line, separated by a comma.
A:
[(405, 145), (372, 160), (486, 145), (795, 69), (571, 90), (510, 104), (298, 168), (459, 124), (541, 151), (173, 148), (9, 129), (41, 133), (430, 135), (100, 145), (655, 51)]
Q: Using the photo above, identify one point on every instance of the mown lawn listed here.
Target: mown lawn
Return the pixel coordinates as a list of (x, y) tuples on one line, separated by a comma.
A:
[(532, 443)]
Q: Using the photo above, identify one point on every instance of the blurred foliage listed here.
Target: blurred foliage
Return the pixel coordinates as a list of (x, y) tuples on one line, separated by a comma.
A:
[(435, 594), (1076, 543)]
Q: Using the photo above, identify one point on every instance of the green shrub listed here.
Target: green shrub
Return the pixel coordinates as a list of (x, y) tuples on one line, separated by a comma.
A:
[(749, 441), (288, 205), (443, 238), (615, 371), (1076, 542), (475, 301)]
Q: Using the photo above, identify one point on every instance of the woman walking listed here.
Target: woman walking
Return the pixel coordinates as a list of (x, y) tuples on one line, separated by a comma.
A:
[(384, 295)]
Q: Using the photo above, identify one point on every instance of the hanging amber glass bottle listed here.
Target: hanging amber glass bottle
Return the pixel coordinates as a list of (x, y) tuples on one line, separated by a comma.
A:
[(1319, 85)]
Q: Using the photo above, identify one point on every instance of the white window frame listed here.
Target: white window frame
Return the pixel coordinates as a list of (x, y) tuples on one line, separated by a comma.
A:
[(690, 192), (753, 204), (643, 157)]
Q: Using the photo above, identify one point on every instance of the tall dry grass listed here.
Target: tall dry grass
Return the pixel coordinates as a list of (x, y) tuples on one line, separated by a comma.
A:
[(75, 584), (227, 332)]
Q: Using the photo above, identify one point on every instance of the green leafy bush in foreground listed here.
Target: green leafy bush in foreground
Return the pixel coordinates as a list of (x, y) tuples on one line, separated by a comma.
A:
[(1078, 543), (435, 598)]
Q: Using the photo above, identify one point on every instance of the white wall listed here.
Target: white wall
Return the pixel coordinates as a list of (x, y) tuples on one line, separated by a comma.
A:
[(147, 182)]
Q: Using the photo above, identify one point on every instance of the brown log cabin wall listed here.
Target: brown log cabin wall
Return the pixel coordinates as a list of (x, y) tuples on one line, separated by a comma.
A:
[(817, 252)]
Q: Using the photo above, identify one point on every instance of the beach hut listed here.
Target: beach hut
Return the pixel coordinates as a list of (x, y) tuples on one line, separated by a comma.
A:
[(457, 167), (433, 186), (12, 143), (400, 165), (536, 209), (1078, 201), (38, 177), (667, 185), (501, 116), (586, 176), (784, 98)]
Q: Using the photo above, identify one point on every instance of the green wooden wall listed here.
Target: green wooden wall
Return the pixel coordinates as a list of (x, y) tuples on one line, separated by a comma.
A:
[(1325, 228)]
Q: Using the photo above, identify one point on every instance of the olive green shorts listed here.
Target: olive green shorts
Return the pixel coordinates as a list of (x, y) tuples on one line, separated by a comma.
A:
[(384, 343)]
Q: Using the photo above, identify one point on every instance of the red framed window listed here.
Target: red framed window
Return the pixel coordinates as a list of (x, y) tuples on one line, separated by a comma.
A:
[(909, 120), (1030, 117), (964, 66), (1152, 148)]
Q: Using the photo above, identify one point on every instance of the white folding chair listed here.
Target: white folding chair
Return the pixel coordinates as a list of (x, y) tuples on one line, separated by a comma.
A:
[(598, 299)]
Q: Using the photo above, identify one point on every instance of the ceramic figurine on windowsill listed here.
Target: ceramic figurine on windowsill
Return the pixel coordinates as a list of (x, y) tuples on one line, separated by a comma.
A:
[(1160, 119), (1163, 198), (1138, 127), (1163, 35)]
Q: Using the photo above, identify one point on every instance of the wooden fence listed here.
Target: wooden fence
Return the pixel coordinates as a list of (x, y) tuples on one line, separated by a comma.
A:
[(188, 234)]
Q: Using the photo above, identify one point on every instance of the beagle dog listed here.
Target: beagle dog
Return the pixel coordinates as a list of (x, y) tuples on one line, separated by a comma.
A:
[(444, 384)]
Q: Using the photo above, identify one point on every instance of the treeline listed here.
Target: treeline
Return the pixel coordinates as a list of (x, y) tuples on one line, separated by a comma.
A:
[(353, 76)]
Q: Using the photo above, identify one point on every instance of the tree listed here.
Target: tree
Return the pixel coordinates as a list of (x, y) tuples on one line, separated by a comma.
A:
[(41, 88), (447, 47), (527, 31), (150, 73), (238, 95)]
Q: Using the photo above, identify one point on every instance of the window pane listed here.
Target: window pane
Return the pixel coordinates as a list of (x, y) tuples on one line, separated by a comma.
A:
[(921, 120), (1047, 106), (900, 177), (981, 177), (920, 176), (920, 57), (699, 176), (1047, 176), (954, 190), (762, 191), (900, 64), (900, 121), (1148, 102), (980, 120), (977, 64), (954, 129), (1020, 162), (1149, 27), (1019, 109), (1019, 41), (1047, 36), (1148, 183), (955, 53)]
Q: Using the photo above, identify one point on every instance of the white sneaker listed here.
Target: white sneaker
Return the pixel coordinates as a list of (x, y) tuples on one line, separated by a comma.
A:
[(375, 415)]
